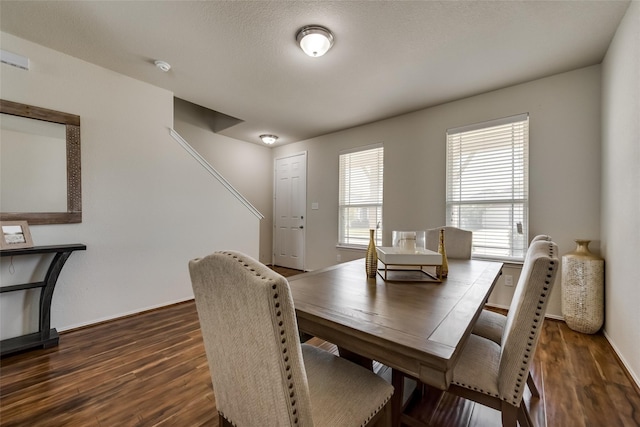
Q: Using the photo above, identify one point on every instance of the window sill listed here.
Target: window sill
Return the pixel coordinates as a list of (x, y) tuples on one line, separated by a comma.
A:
[(352, 247), (507, 262)]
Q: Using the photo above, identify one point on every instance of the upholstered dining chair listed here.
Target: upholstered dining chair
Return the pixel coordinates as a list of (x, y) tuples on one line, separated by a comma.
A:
[(458, 242), (490, 324), (262, 375), (494, 374)]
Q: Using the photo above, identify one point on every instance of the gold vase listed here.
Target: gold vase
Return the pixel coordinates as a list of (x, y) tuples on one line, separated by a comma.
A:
[(583, 289), (371, 258), (443, 270)]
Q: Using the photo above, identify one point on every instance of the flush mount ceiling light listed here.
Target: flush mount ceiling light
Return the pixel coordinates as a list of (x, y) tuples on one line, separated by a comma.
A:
[(268, 139), (314, 40), (163, 66)]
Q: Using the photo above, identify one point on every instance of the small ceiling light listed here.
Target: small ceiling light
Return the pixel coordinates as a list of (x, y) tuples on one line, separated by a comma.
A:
[(268, 139), (163, 66), (314, 40)]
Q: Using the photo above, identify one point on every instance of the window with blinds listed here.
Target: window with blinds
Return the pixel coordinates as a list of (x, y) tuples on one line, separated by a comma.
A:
[(360, 195), (488, 184)]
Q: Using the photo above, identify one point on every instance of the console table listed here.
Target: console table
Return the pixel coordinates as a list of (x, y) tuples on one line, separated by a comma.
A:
[(46, 336)]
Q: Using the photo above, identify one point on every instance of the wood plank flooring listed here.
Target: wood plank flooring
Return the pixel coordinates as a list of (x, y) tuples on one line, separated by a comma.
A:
[(150, 370)]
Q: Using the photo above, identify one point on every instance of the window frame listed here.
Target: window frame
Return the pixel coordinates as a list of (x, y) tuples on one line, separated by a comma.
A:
[(504, 243), (360, 239)]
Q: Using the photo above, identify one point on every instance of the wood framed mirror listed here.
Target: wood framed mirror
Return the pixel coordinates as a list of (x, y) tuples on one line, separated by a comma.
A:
[(40, 174)]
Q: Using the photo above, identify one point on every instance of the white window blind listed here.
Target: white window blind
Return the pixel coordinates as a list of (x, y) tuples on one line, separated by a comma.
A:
[(488, 184), (360, 195)]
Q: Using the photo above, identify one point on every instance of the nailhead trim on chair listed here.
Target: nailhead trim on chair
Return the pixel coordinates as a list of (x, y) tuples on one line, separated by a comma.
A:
[(475, 389), (532, 334), (228, 420), (515, 398), (283, 341), (373, 414)]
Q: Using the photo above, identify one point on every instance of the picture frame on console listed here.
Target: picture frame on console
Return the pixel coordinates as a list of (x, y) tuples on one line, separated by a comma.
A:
[(15, 235)]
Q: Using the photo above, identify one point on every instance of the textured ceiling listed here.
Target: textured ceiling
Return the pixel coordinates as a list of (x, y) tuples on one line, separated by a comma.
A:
[(390, 57)]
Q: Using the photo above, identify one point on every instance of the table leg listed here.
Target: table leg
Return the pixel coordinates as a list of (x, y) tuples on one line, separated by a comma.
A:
[(356, 358), (397, 381)]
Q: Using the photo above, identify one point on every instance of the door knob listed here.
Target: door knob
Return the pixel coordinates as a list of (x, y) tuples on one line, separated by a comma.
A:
[(301, 227)]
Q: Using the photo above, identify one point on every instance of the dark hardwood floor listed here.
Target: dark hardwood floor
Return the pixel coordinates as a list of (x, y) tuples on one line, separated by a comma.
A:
[(150, 370), (285, 271)]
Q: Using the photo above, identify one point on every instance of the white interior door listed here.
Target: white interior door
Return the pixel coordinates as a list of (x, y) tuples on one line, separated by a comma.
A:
[(290, 200)]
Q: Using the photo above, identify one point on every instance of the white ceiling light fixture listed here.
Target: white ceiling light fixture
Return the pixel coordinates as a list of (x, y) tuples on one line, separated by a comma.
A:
[(162, 65), (268, 139), (314, 40)]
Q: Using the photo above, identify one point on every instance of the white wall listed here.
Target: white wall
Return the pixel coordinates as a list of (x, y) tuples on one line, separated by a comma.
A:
[(621, 189), (248, 167), (147, 207), (564, 166)]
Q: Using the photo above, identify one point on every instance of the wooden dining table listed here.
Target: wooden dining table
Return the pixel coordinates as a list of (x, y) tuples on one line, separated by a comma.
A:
[(415, 328)]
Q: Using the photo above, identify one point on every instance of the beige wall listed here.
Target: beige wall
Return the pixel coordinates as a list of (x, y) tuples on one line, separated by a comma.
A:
[(148, 207), (621, 189), (248, 168), (564, 166)]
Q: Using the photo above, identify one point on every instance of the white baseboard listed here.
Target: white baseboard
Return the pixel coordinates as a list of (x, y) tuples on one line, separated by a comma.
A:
[(626, 365), (117, 316)]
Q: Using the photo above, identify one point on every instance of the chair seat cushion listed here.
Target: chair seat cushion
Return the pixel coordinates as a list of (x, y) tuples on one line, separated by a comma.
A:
[(477, 368), (490, 325), (342, 393)]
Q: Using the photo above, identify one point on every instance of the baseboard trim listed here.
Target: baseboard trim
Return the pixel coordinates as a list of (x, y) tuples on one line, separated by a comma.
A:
[(625, 366), (119, 316)]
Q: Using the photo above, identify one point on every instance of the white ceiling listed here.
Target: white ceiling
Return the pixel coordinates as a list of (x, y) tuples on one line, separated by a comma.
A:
[(389, 58)]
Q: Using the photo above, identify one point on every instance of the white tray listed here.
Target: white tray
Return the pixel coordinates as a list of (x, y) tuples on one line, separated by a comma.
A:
[(401, 256)]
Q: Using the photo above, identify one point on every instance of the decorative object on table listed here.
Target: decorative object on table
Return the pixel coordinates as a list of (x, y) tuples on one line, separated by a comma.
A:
[(371, 263), (583, 289), (408, 265), (15, 235), (409, 240), (443, 270)]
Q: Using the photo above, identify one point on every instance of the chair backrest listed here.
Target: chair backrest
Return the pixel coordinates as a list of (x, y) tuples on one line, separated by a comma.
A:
[(541, 237), (457, 242), (251, 340), (525, 317)]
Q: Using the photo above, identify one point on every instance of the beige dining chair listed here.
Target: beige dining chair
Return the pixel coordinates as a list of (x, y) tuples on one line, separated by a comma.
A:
[(262, 375), (491, 324), (457, 242), (494, 374)]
